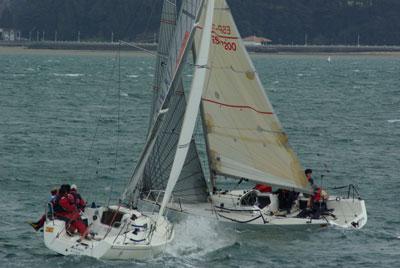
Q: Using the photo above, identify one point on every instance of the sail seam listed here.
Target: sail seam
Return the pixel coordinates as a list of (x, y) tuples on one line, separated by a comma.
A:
[(172, 22)]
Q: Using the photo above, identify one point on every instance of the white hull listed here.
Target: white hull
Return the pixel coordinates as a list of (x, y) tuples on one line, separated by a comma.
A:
[(141, 238), (343, 212)]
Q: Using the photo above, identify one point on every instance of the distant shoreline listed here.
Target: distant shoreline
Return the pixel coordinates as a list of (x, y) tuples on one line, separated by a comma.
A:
[(152, 47)]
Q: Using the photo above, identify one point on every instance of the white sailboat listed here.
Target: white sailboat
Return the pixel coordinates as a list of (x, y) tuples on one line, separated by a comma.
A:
[(121, 231), (244, 140)]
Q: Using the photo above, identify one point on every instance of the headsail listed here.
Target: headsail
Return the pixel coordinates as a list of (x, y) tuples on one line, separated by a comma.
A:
[(166, 32), (191, 186), (171, 81), (192, 109), (244, 136)]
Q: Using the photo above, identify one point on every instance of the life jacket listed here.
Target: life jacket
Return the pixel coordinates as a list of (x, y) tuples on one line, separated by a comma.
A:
[(57, 208), (317, 195), (78, 200)]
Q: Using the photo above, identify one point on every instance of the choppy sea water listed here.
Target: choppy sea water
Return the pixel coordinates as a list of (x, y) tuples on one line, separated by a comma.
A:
[(58, 124)]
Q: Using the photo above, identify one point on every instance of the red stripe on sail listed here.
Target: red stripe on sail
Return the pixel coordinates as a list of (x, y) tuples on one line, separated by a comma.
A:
[(237, 106), (222, 36)]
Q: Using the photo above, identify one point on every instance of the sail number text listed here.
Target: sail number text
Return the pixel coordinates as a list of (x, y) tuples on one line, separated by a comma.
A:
[(221, 34)]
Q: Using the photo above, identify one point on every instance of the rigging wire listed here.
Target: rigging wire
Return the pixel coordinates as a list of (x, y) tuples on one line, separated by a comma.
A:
[(96, 132), (118, 124), (141, 48)]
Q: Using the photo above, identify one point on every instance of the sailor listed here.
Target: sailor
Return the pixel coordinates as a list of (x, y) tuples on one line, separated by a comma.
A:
[(318, 200), (308, 173), (66, 209), (285, 198), (80, 203), (39, 224)]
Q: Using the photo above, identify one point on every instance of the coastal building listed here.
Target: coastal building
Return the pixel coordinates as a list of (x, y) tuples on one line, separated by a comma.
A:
[(256, 41), (10, 34)]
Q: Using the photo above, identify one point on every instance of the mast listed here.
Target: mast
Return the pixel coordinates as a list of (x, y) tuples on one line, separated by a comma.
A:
[(192, 108)]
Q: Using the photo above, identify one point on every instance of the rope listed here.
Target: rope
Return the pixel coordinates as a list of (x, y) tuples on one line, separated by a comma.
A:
[(118, 123), (141, 48), (97, 126)]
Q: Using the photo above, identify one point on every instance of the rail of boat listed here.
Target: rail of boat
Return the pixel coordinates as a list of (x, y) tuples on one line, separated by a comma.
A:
[(347, 191), (114, 223), (174, 203), (343, 208)]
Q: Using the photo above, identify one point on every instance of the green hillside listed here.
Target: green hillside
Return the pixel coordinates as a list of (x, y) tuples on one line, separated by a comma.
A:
[(374, 22)]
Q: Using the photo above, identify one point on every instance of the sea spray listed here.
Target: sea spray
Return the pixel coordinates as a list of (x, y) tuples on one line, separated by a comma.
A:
[(197, 236)]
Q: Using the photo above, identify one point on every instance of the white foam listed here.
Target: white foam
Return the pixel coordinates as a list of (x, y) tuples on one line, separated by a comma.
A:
[(197, 236), (133, 76), (68, 75), (393, 120), (123, 94)]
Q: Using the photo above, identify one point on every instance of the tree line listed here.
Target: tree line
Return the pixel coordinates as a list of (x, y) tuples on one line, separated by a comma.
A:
[(328, 22)]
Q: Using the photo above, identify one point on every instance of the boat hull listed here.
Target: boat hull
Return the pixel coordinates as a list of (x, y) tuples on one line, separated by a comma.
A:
[(342, 212), (144, 238)]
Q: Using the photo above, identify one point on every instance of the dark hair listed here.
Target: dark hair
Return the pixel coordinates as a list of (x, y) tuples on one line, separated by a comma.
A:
[(66, 188), (308, 171), (62, 191)]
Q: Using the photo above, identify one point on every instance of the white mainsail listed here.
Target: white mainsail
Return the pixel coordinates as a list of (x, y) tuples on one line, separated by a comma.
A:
[(243, 134)]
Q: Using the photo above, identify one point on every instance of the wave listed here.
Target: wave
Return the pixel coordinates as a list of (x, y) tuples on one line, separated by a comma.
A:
[(68, 75), (133, 76), (197, 237), (123, 94), (393, 120)]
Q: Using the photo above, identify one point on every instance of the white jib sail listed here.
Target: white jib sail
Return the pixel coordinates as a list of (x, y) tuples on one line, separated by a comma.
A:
[(193, 105), (244, 136)]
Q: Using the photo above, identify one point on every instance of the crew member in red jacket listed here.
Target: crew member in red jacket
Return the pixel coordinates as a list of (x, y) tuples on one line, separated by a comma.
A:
[(68, 210), (79, 201)]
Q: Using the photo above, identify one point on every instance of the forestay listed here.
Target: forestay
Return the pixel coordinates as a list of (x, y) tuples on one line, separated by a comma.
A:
[(244, 136), (170, 84)]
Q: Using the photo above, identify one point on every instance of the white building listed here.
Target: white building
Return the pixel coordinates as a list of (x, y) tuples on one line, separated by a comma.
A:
[(256, 41), (10, 34)]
